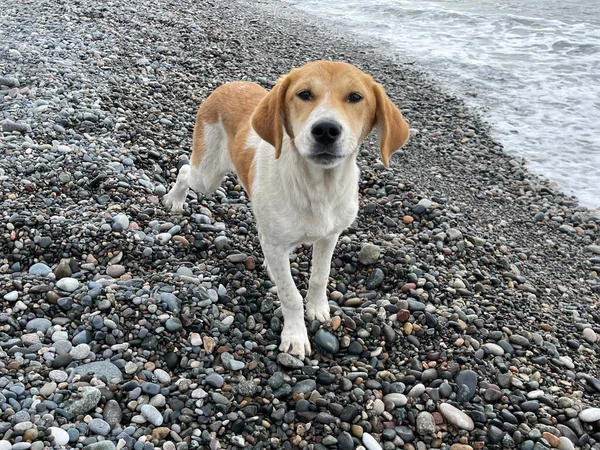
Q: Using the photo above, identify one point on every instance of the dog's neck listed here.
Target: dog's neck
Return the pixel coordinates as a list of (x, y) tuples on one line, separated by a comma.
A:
[(303, 179)]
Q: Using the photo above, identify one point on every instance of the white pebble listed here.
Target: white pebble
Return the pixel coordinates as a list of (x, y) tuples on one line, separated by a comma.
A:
[(195, 339), (456, 417), (61, 437), (67, 284), (162, 376), (396, 399), (590, 415), (11, 296), (590, 335), (370, 442), (494, 349)]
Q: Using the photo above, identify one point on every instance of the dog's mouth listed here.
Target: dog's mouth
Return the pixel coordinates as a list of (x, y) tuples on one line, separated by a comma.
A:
[(325, 158)]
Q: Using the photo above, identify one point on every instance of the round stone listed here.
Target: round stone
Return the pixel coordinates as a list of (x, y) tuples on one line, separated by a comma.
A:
[(115, 271), (589, 335), (67, 284), (99, 426), (80, 351), (369, 254), (61, 437), (590, 415), (40, 269)]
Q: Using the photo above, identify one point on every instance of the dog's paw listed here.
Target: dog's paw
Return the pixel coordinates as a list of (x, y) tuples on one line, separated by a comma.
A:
[(174, 205), (318, 310), (294, 340)]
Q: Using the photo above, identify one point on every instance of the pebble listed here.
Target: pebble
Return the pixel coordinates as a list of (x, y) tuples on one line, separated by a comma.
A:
[(590, 415), (11, 296), (287, 360), (327, 341), (89, 399), (67, 284), (590, 335), (369, 254), (397, 399), (40, 269), (80, 351), (115, 270), (425, 424), (61, 437), (456, 417), (152, 415), (99, 426), (370, 443)]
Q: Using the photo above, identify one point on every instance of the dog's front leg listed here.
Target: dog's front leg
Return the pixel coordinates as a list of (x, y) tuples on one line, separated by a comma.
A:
[(317, 306), (294, 338)]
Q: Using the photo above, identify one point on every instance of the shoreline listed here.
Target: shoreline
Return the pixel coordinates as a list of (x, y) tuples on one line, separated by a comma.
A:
[(485, 296)]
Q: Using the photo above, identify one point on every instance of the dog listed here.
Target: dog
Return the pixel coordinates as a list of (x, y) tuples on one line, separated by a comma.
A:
[(294, 150)]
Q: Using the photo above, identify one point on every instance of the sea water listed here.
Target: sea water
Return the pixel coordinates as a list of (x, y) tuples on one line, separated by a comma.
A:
[(531, 67)]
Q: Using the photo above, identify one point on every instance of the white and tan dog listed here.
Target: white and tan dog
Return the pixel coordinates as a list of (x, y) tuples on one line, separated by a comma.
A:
[(294, 150)]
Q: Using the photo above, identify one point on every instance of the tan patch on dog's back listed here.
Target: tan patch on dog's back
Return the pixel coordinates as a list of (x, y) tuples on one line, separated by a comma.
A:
[(232, 104)]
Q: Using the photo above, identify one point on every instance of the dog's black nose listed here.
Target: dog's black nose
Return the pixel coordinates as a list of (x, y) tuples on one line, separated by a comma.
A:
[(326, 132)]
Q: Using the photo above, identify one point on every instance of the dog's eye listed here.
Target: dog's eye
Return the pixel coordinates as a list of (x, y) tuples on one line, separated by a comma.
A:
[(304, 95), (355, 97)]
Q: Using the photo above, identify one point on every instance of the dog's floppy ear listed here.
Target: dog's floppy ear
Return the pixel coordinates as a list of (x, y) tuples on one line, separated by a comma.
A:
[(269, 118), (392, 129)]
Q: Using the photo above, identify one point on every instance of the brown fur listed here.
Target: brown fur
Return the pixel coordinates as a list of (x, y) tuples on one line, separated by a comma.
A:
[(332, 81), (232, 103), (240, 105)]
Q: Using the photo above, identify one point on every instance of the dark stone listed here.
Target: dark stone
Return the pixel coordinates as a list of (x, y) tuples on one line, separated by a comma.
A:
[(171, 360), (348, 413), (466, 378)]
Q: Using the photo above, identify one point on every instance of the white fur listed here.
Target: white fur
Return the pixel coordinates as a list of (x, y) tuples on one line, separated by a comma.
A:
[(304, 141), (294, 201), (207, 177)]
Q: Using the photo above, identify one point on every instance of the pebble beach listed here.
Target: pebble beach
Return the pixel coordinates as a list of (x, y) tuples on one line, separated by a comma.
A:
[(465, 298)]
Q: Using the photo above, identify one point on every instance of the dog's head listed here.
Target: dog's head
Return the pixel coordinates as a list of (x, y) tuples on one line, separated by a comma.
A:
[(327, 109)]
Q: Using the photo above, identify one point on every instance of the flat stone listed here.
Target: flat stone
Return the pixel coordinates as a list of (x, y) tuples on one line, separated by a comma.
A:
[(287, 360), (590, 415), (89, 400), (456, 417), (67, 284), (39, 324), (40, 269), (304, 386), (100, 368)]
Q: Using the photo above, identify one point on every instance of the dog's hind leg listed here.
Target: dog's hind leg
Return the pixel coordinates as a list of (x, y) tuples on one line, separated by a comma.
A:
[(209, 164)]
